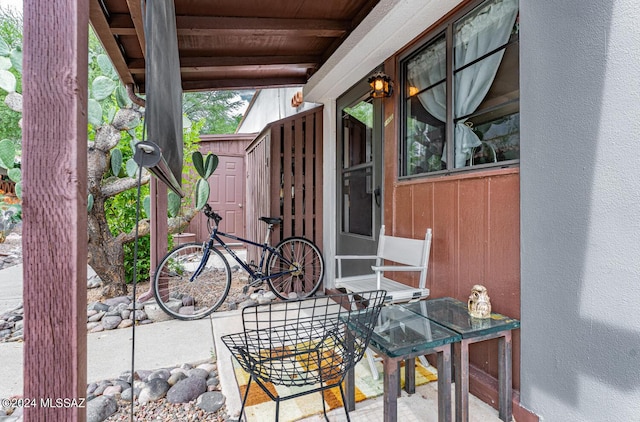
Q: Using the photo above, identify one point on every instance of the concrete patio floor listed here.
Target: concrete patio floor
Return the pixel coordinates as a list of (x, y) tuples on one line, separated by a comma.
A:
[(421, 406), (163, 344)]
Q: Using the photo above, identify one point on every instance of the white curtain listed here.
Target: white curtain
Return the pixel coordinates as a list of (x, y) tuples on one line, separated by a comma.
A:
[(427, 69), (475, 36), (484, 30)]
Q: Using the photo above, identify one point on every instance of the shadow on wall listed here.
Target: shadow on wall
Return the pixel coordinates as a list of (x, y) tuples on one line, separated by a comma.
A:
[(566, 58)]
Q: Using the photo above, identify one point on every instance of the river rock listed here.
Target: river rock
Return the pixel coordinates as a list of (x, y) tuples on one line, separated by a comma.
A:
[(112, 390), (210, 402), (186, 390), (102, 385), (160, 373), (155, 390), (138, 315), (97, 317), (187, 310), (110, 322), (207, 367), (198, 372), (101, 408), (114, 301), (98, 306), (176, 377), (126, 394), (156, 314), (125, 323)]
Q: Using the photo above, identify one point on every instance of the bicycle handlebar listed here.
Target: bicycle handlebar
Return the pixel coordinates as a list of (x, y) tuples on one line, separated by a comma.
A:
[(211, 214)]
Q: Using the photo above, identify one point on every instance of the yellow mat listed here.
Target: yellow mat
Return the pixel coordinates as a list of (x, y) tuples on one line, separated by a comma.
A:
[(260, 407)]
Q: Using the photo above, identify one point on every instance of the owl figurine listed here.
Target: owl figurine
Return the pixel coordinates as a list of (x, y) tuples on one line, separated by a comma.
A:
[(479, 304)]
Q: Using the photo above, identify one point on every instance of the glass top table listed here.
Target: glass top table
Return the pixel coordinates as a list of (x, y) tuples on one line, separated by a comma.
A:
[(403, 335), (401, 332), (454, 315)]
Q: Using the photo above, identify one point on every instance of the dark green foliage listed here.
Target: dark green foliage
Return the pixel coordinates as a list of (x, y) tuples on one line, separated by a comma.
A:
[(205, 168), (11, 35), (220, 111), (120, 211)]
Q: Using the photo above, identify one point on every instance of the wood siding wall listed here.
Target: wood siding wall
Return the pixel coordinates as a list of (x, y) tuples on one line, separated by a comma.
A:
[(292, 150), (475, 218), (476, 240)]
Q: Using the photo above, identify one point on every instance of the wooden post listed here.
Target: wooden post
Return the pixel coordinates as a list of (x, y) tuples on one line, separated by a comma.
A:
[(159, 231), (54, 169), (158, 223)]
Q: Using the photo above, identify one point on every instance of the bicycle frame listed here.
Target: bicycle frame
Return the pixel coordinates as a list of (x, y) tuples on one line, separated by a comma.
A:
[(257, 276)]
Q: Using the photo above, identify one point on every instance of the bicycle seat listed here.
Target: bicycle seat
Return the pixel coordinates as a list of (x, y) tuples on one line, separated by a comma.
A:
[(271, 220)]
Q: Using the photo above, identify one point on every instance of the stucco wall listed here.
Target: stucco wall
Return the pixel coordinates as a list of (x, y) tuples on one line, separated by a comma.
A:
[(580, 209), (270, 105)]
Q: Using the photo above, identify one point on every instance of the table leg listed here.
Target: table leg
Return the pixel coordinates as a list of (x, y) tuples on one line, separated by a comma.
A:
[(444, 384), (410, 375), (504, 377), (391, 390), (461, 361), (350, 379)]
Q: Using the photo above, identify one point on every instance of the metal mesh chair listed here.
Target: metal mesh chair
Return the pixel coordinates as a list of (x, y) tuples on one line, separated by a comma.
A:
[(305, 343)]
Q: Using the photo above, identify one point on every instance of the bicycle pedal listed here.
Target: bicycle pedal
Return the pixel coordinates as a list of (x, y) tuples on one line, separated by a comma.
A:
[(245, 289)]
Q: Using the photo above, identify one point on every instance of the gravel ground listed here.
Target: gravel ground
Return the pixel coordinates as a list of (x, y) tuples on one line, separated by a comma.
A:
[(162, 410), (11, 248)]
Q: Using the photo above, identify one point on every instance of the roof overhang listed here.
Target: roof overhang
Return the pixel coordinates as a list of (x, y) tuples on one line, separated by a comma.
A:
[(390, 26), (230, 44)]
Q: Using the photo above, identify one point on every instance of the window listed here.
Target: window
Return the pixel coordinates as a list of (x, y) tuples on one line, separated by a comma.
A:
[(463, 85)]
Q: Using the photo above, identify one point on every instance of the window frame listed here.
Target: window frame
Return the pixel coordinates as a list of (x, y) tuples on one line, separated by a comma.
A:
[(446, 29)]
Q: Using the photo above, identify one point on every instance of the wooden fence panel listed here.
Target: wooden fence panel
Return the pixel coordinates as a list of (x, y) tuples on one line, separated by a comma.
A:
[(258, 200), (290, 183), (288, 178)]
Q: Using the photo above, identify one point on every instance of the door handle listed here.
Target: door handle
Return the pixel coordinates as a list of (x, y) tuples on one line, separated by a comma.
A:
[(377, 192), (240, 205)]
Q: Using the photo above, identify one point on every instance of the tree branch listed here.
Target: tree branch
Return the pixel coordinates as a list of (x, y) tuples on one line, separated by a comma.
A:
[(107, 137), (175, 225), (116, 185)]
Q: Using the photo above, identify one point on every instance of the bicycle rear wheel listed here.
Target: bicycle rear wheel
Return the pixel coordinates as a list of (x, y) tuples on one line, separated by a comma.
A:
[(182, 298), (296, 266)]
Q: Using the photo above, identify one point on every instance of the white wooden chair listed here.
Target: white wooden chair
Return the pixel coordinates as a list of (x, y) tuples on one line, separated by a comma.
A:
[(400, 254)]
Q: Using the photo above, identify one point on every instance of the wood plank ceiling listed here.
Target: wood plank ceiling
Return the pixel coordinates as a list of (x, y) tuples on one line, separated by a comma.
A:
[(233, 44)]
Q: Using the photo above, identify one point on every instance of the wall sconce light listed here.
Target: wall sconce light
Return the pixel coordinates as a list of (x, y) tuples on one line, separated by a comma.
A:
[(297, 99), (381, 85)]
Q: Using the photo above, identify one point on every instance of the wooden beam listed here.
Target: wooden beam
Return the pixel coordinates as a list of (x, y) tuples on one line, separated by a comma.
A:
[(101, 26), (122, 24), (243, 26), (200, 64), (251, 68), (54, 207), (205, 85), (138, 22)]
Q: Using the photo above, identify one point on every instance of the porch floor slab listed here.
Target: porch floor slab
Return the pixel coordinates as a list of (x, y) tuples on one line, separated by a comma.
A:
[(421, 406)]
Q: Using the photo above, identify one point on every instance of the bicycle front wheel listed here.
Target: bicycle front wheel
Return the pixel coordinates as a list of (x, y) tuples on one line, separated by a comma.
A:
[(180, 296), (296, 266)]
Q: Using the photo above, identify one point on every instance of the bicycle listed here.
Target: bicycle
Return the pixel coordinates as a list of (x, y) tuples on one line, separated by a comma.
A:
[(198, 275)]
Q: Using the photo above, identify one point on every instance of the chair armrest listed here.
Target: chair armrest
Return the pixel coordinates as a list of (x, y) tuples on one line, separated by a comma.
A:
[(395, 268)]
